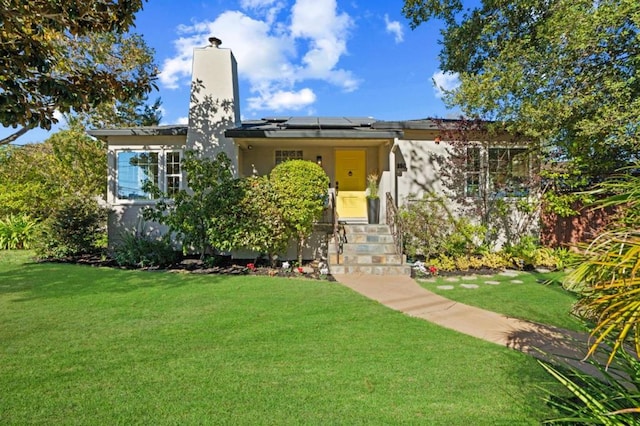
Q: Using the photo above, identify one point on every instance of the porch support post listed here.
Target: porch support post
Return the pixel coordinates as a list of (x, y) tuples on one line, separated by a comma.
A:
[(392, 167)]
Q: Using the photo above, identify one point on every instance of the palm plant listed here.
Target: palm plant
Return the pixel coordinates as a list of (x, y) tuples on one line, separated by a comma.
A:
[(609, 284), (609, 399), (608, 279)]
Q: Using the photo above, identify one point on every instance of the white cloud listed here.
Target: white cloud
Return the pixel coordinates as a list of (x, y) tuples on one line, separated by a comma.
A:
[(273, 56), (395, 28), (269, 9), (182, 120), (177, 68), (283, 100), (256, 4), (444, 81)]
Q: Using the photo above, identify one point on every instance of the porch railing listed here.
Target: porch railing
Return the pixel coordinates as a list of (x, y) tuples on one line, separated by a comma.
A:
[(336, 223), (339, 236), (393, 220)]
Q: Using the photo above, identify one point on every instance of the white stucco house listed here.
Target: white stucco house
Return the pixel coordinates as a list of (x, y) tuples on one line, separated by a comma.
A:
[(407, 156)]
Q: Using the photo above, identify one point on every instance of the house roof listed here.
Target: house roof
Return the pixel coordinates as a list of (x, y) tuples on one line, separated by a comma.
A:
[(313, 127), (421, 124), (299, 127), (170, 130)]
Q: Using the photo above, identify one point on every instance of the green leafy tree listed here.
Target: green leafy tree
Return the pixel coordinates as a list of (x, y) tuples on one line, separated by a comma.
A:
[(56, 57), (564, 72), (204, 216), (301, 187), (134, 56), (34, 177)]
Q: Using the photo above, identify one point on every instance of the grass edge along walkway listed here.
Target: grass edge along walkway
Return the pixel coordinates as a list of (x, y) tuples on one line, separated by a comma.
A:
[(545, 342)]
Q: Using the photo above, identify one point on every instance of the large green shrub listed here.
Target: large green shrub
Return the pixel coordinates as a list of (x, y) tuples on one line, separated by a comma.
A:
[(139, 251), (262, 228), (431, 229), (301, 187), (75, 226), (17, 232)]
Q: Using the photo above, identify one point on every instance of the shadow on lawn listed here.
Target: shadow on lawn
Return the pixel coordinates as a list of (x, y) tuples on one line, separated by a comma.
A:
[(560, 347), (53, 280)]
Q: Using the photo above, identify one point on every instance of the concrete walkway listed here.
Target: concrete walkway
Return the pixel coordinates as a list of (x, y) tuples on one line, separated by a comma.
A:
[(403, 294)]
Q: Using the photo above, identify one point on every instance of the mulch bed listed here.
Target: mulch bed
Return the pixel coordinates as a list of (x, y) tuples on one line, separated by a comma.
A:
[(224, 266)]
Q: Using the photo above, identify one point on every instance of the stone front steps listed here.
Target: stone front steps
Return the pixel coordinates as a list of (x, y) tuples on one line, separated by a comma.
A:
[(367, 249)]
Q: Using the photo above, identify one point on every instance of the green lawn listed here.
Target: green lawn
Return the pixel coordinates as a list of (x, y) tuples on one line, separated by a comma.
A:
[(539, 297), (83, 345)]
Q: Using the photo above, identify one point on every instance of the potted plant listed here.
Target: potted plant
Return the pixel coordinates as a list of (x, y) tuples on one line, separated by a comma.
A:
[(373, 199)]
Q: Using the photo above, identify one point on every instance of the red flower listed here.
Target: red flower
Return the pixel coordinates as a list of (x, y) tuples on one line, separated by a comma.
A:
[(251, 266), (433, 270), (300, 269)]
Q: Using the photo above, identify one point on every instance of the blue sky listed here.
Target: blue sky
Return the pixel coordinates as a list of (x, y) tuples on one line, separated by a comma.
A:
[(299, 57)]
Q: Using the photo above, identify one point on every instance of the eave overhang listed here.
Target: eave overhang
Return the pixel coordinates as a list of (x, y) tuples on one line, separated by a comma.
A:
[(243, 133), (171, 130)]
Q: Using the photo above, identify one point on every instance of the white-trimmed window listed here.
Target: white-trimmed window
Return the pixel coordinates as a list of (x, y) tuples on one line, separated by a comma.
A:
[(173, 175), (500, 171), (290, 154), (135, 168), (473, 172)]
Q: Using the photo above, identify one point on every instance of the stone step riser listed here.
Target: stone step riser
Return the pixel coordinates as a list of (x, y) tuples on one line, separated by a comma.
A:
[(385, 259), (370, 269), (367, 229), (370, 249), (369, 238)]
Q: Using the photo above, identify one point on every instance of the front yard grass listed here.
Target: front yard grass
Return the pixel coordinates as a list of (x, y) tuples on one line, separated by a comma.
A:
[(83, 345), (539, 297)]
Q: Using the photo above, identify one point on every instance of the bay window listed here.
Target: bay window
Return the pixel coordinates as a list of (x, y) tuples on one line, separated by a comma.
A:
[(135, 168)]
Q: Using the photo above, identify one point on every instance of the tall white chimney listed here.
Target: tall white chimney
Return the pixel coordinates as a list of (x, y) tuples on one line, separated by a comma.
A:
[(214, 104)]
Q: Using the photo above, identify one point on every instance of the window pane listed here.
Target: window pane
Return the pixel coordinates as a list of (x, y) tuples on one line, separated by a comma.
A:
[(173, 173), (473, 185), (508, 171), (473, 168), (284, 155), (173, 185), (134, 169)]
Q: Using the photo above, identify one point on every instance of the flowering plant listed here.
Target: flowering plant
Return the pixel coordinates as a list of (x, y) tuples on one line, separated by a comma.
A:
[(421, 267), (372, 185), (251, 266)]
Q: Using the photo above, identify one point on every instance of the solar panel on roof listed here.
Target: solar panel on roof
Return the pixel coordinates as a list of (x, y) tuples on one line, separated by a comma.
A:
[(327, 122)]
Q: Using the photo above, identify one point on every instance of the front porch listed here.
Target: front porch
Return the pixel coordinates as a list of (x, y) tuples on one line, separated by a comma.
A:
[(348, 150)]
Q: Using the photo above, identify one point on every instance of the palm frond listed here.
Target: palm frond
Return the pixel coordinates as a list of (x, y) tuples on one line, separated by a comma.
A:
[(609, 284)]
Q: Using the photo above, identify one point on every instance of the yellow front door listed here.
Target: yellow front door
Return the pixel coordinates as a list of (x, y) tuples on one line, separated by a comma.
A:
[(351, 180)]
